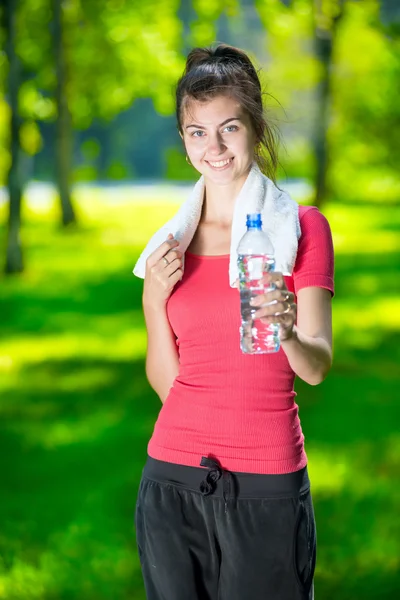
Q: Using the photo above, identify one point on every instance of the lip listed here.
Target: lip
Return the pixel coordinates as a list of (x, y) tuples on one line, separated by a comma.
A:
[(221, 168)]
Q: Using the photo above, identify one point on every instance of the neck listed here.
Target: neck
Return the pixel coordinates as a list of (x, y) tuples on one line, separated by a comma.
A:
[(219, 202)]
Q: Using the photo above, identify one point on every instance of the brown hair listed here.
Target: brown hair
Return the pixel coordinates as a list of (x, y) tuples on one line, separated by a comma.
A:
[(224, 69)]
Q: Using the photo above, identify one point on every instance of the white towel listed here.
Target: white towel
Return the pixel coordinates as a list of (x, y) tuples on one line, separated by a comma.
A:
[(280, 218)]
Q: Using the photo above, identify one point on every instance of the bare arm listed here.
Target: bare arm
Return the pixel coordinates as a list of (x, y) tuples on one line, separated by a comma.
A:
[(162, 358), (309, 347), (163, 271)]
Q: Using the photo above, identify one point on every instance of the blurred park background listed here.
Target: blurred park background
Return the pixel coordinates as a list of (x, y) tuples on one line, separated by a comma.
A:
[(90, 166)]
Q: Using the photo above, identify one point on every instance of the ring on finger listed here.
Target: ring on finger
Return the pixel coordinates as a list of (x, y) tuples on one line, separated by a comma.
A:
[(289, 306), (286, 298), (165, 260)]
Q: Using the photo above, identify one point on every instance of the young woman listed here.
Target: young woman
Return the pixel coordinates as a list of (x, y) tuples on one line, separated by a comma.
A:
[(224, 508)]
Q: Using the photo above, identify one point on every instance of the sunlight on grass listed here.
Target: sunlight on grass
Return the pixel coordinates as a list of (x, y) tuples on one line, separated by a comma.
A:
[(360, 243), (77, 410), (57, 570), (25, 582), (364, 229), (328, 475), (84, 380), (63, 432), (369, 320), (348, 469), (23, 349)]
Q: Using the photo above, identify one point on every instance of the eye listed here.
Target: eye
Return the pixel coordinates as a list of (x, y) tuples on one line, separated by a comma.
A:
[(197, 131), (232, 127)]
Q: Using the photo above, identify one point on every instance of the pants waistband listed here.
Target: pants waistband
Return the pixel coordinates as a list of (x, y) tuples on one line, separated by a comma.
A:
[(227, 484)]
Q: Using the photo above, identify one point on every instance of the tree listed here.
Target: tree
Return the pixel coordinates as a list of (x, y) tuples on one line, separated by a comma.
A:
[(14, 262), (326, 17), (63, 141), (108, 54), (116, 52), (336, 67)]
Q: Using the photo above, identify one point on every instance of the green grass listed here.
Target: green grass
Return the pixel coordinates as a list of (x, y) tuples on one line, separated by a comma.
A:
[(76, 410)]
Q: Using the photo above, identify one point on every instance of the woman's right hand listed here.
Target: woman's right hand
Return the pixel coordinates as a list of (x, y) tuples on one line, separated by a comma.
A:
[(163, 271)]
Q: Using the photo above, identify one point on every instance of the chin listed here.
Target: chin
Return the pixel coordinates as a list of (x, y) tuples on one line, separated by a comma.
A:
[(221, 178)]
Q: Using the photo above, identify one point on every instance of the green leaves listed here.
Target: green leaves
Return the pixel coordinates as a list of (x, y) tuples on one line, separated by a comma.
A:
[(364, 74), (120, 51)]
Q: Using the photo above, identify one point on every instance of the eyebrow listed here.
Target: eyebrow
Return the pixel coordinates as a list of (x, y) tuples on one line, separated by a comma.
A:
[(220, 125)]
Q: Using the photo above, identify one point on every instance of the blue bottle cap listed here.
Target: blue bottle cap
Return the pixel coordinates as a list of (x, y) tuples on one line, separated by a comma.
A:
[(254, 220)]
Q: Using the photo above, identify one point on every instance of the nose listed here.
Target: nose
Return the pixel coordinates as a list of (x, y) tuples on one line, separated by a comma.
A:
[(215, 144)]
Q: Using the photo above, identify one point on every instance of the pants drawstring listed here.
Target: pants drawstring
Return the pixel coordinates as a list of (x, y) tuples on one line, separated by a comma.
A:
[(209, 484)]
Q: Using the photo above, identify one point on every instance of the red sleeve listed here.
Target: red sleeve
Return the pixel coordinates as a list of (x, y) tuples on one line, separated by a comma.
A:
[(315, 260)]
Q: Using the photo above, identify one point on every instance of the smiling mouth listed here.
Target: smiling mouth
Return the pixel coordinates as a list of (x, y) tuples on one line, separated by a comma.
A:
[(220, 164)]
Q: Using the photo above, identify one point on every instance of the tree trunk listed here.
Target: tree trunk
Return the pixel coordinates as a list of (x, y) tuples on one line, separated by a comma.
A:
[(63, 141), (14, 262), (324, 36)]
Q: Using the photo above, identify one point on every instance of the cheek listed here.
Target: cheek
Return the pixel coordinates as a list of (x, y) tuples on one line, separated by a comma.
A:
[(195, 147), (243, 146)]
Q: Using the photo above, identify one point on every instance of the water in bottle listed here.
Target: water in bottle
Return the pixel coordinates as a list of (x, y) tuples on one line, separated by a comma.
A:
[(255, 259)]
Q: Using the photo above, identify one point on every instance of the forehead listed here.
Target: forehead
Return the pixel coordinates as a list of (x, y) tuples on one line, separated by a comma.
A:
[(212, 111)]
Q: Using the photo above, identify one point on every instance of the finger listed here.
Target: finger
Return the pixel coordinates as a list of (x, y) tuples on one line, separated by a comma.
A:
[(285, 303), (168, 259), (286, 320), (281, 308), (170, 241), (286, 308), (287, 296), (273, 295), (162, 250), (175, 277), (275, 279), (173, 266), (277, 309), (272, 310), (172, 258)]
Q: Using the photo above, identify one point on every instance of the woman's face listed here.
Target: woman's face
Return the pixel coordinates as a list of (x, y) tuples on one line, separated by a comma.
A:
[(219, 139)]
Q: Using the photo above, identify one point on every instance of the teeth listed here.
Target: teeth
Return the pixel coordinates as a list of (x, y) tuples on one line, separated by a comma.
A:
[(220, 163)]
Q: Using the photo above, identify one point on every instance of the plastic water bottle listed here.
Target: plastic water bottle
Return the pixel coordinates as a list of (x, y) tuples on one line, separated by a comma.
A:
[(255, 259)]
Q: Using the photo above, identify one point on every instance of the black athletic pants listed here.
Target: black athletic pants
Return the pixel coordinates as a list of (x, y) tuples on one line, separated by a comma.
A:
[(211, 534)]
